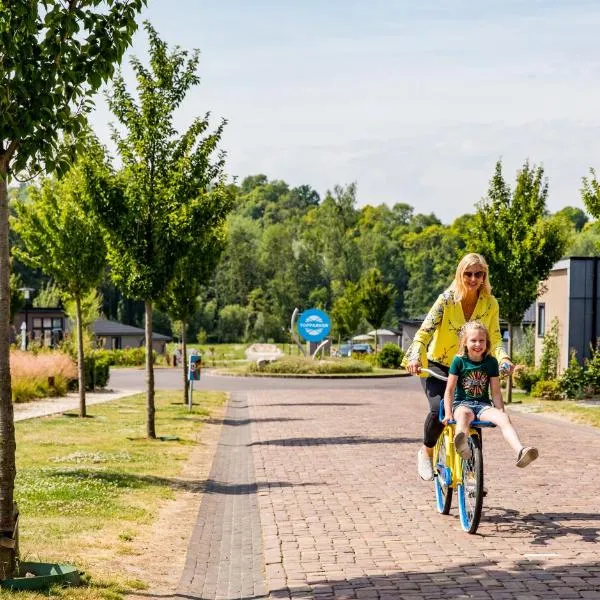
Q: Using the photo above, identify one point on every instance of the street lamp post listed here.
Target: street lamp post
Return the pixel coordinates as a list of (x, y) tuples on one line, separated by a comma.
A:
[(26, 291)]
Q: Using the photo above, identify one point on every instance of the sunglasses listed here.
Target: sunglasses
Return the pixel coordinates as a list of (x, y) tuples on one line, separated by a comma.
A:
[(476, 274)]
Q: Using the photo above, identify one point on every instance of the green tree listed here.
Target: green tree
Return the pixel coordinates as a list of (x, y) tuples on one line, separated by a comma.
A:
[(182, 296), (590, 192), (519, 241), (59, 237), (574, 215), (233, 319), (347, 310), (170, 190), (431, 256), (55, 55), (376, 298)]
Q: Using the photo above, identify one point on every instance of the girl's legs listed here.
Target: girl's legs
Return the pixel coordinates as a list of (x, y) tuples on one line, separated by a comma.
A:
[(502, 420), (463, 417), (525, 454)]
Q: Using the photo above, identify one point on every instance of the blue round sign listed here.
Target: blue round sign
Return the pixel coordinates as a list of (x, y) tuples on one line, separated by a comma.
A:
[(314, 325)]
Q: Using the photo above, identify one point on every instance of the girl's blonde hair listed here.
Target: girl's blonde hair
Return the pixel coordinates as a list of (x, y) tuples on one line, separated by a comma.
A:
[(471, 261), (464, 332)]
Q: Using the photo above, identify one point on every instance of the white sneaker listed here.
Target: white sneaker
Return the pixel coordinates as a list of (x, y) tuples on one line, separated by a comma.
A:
[(424, 466)]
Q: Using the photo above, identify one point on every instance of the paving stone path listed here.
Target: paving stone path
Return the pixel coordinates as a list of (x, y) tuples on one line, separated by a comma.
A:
[(314, 494)]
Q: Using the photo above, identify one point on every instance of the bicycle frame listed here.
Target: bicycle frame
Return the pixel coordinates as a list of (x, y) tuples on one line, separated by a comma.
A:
[(452, 472)]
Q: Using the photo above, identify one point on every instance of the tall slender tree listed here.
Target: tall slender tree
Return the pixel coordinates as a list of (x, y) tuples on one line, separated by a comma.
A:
[(519, 240), (170, 190), (181, 298), (64, 241), (376, 297), (54, 56)]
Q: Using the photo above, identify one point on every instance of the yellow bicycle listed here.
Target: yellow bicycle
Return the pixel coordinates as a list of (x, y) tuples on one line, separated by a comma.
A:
[(452, 472)]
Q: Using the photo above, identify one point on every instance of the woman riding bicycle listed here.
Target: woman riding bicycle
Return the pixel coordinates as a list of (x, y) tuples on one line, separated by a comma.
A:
[(436, 342)]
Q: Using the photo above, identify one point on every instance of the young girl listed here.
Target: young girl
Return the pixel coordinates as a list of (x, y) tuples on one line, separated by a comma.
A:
[(467, 397)]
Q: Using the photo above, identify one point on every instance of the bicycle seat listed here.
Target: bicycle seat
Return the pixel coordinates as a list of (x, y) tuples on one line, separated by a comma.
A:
[(475, 423)]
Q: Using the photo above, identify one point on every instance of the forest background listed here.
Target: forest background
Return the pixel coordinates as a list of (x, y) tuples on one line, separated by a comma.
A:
[(289, 248)]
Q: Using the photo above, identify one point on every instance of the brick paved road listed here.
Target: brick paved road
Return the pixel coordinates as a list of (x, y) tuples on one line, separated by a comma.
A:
[(344, 515)]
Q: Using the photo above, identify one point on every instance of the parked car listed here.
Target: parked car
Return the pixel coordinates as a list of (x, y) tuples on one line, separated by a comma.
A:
[(362, 349), (347, 350)]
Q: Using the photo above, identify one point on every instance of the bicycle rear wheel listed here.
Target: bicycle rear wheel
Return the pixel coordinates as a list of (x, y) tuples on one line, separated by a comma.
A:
[(470, 488), (443, 476)]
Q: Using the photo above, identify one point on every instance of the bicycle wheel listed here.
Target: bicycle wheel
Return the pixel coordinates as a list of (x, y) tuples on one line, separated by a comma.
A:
[(443, 477), (470, 488)]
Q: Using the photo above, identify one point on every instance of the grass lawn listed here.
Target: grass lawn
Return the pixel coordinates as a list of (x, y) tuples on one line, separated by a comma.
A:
[(574, 410), (85, 486)]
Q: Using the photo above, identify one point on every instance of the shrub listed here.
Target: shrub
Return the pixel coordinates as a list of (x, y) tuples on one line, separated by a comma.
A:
[(299, 365), (547, 390), (550, 353), (128, 357), (96, 370), (525, 377), (572, 381), (390, 357), (592, 371)]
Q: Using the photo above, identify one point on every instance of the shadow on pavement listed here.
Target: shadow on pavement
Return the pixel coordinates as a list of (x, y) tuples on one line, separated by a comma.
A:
[(316, 404), (347, 439), (544, 526), (238, 422)]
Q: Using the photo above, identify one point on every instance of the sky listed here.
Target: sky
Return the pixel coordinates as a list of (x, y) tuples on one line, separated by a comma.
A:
[(413, 101)]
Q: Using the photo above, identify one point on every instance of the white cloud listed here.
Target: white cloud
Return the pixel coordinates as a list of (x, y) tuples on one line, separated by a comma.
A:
[(414, 101)]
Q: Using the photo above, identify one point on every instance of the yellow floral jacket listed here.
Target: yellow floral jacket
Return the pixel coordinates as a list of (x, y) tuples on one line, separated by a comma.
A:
[(437, 338)]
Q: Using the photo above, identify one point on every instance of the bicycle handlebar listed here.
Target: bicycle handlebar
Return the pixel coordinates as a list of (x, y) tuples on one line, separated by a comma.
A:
[(434, 374)]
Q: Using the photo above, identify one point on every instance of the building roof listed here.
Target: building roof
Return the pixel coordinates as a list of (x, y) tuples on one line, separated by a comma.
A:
[(106, 327)]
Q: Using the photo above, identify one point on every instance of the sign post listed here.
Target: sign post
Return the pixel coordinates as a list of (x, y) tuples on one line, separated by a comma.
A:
[(314, 326), (194, 364)]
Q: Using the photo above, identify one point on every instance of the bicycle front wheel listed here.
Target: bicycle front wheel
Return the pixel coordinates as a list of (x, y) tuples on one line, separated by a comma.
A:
[(470, 488), (443, 476)]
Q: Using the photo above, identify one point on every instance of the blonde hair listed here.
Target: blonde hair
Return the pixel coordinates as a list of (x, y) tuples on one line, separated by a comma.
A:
[(464, 332), (458, 285)]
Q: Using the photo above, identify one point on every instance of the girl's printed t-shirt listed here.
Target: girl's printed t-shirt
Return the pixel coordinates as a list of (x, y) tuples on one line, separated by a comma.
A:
[(473, 377)]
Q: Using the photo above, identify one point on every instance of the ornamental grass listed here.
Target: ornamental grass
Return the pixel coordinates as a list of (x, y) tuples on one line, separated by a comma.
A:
[(40, 375)]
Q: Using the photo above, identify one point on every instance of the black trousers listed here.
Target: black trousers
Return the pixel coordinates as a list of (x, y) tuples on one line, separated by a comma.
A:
[(434, 390)]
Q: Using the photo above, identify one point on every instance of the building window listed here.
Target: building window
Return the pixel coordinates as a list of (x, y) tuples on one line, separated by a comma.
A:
[(47, 331), (541, 320)]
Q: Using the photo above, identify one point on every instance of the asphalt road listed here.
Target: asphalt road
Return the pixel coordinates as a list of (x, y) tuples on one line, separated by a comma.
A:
[(172, 379)]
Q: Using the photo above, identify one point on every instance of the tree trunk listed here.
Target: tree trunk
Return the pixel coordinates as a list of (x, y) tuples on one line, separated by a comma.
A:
[(186, 383), (510, 351), (150, 410), (80, 359), (8, 549)]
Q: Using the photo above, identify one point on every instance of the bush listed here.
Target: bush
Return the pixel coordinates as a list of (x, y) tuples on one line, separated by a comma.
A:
[(547, 390), (128, 357), (96, 370), (592, 371), (390, 357), (299, 365), (550, 353), (525, 378), (572, 381)]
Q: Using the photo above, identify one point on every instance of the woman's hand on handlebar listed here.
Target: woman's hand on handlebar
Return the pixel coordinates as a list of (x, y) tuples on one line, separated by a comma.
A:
[(448, 418), (414, 367), (506, 367)]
